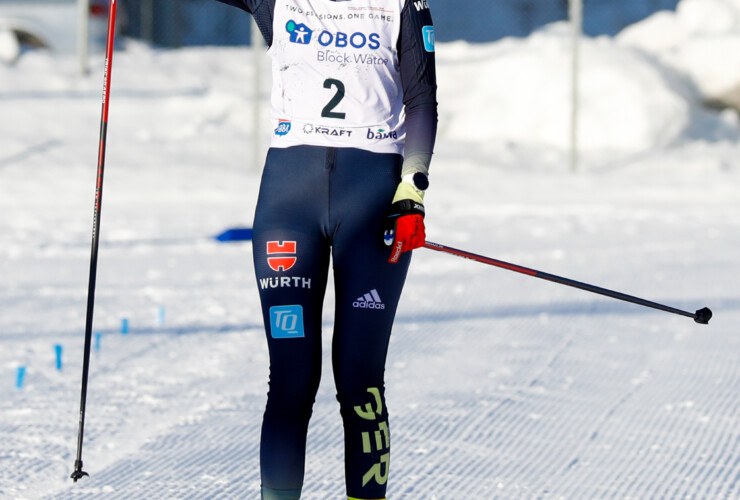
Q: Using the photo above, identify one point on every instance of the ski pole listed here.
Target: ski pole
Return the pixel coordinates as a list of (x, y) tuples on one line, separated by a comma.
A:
[(701, 316), (78, 472)]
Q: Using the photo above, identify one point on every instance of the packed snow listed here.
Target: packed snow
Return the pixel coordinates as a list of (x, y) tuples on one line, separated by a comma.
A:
[(499, 385)]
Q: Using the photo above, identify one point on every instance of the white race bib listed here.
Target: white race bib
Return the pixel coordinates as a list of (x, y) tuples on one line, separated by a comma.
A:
[(336, 79)]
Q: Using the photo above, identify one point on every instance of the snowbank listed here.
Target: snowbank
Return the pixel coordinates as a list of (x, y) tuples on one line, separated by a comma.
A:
[(9, 47), (700, 39), (641, 91), (644, 90), (519, 91)]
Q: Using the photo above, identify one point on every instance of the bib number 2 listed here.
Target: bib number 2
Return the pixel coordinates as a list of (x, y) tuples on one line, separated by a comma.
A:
[(328, 111)]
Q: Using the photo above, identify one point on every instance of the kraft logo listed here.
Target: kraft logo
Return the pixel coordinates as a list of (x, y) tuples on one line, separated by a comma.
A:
[(286, 322), (319, 129), (287, 255), (283, 127), (299, 33)]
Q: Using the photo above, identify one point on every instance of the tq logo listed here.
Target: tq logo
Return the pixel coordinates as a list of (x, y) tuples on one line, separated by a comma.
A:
[(281, 255)]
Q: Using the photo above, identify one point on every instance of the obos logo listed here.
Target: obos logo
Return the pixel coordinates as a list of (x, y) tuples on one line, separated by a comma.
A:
[(281, 255), (299, 33), (302, 35), (283, 127)]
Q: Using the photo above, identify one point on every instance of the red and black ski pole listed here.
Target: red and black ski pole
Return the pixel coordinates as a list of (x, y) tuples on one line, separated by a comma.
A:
[(78, 472), (701, 316)]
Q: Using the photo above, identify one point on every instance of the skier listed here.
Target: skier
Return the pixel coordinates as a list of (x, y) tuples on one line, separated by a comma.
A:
[(354, 117)]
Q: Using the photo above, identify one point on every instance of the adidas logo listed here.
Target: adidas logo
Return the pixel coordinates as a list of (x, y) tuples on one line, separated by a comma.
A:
[(370, 300)]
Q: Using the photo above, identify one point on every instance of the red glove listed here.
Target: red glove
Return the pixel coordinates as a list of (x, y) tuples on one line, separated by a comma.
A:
[(406, 231)]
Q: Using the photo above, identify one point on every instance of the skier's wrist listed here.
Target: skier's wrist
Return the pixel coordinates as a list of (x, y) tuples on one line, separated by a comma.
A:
[(408, 191)]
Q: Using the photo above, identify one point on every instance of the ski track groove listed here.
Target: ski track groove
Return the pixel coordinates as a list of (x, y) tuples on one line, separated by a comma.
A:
[(202, 455), (591, 436), (480, 446), (694, 474), (692, 478), (728, 480), (734, 486), (727, 451)]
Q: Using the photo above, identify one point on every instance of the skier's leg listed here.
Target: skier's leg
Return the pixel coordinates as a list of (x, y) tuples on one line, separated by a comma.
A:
[(291, 265), (368, 289)]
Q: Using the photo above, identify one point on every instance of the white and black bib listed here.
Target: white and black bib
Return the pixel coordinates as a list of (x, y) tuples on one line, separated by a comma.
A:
[(336, 79)]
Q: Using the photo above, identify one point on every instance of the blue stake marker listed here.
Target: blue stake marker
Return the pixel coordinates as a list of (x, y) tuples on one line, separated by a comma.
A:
[(160, 316), (97, 341), (58, 350), (124, 325), (20, 375)]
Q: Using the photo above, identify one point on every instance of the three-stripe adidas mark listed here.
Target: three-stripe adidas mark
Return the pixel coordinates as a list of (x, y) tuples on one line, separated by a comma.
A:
[(370, 300)]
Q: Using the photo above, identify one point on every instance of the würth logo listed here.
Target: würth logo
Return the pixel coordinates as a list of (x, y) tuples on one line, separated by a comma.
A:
[(281, 255), (370, 300)]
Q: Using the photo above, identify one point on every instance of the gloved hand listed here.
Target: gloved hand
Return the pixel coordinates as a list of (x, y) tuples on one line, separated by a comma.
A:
[(405, 227)]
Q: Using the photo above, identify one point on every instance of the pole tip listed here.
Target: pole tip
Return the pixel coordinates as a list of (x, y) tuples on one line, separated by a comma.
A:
[(78, 473), (703, 316)]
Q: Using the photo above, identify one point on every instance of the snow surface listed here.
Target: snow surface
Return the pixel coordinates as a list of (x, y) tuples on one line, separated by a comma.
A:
[(499, 385)]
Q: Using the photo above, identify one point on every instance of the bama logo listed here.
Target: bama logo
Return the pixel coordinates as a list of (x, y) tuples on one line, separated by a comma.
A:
[(281, 255), (370, 300), (302, 35), (286, 322), (380, 134), (283, 127)]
